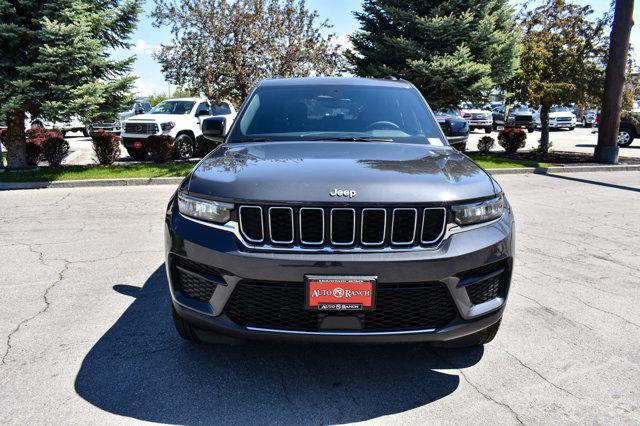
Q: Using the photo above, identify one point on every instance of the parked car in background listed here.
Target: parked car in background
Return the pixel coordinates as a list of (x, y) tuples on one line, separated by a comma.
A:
[(139, 106), (478, 118), (586, 117), (454, 127), (519, 115), (179, 118), (559, 117), (629, 128), (73, 124)]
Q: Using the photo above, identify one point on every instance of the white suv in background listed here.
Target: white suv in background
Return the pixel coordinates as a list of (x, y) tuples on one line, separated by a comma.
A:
[(179, 118), (559, 116), (477, 117)]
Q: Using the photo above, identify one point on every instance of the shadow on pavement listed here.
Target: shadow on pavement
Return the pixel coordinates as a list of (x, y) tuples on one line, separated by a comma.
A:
[(140, 368), (593, 182), (593, 145)]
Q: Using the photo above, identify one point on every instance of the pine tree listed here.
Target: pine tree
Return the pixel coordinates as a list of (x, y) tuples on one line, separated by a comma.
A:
[(54, 62), (451, 50)]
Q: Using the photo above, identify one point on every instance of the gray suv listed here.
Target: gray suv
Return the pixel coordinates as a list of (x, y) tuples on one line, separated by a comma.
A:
[(335, 210)]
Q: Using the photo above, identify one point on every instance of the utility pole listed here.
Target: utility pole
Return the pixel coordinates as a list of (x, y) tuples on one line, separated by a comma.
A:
[(607, 148)]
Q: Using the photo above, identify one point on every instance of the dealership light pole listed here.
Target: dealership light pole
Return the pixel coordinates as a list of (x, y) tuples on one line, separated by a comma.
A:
[(607, 148)]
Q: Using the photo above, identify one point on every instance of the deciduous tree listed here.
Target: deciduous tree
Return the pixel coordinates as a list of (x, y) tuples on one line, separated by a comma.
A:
[(451, 50), (222, 48), (562, 58), (54, 62)]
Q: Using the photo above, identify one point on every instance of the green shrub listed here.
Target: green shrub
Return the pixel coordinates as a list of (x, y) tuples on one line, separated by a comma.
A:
[(106, 146), (485, 144), (512, 139), (55, 148), (160, 147)]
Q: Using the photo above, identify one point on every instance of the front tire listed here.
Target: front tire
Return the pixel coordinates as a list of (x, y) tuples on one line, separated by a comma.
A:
[(530, 129), (184, 147), (183, 327), (138, 154), (571, 128), (37, 125), (487, 130), (625, 137)]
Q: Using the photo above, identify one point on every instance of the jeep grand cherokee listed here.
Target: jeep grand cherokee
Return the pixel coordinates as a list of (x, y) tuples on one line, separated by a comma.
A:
[(335, 210)]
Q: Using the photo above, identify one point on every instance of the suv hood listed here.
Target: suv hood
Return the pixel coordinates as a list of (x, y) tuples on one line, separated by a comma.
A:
[(158, 118), (306, 172), (561, 114)]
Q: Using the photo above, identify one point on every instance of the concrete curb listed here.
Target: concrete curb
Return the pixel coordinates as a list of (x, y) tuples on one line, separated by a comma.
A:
[(4, 186)]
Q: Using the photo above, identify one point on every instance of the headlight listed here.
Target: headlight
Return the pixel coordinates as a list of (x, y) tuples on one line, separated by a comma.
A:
[(485, 211), (167, 126), (198, 208)]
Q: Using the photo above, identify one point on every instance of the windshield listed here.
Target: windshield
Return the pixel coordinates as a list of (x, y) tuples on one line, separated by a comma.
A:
[(520, 108), (173, 107), (323, 112), (560, 109), (447, 111)]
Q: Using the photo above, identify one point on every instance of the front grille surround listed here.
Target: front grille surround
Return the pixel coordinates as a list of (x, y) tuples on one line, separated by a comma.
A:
[(143, 128), (323, 228)]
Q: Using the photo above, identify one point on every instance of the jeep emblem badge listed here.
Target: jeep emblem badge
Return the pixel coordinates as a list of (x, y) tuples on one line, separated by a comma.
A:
[(343, 193)]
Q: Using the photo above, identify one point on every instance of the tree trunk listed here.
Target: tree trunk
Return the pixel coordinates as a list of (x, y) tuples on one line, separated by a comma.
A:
[(607, 148), (16, 142), (544, 125)]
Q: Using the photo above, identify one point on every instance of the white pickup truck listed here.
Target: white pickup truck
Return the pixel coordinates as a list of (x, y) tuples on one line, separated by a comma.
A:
[(180, 118)]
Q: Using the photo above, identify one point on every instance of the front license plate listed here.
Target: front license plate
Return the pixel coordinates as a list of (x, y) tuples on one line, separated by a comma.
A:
[(340, 293)]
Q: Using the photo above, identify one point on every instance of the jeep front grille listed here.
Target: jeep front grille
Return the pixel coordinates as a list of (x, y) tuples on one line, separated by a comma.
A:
[(341, 227), (141, 128)]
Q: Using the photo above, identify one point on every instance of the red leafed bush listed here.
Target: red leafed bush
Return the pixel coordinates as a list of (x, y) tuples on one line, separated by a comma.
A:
[(160, 148), (34, 144), (55, 148), (512, 139), (205, 146), (106, 146)]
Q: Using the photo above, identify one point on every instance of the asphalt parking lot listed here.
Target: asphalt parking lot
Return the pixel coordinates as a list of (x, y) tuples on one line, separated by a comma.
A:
[(86, 335), (577, 140)]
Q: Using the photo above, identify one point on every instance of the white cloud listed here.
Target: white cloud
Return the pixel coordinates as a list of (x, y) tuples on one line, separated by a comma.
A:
[(143, 47), (145, 87)]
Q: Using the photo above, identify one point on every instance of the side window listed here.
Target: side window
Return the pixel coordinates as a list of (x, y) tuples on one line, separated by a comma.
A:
[(203, 109), (146, 106), (221, 109)]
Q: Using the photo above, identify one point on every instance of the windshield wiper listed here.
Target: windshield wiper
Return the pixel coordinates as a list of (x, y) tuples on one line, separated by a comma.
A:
[(354, 139), (253, 140)]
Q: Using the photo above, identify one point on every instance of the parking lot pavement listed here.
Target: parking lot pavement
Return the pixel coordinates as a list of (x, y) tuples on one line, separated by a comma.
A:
[(577, 140), (86, 335)]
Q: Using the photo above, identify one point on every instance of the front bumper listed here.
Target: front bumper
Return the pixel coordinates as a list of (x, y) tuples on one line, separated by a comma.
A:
[(561, 124), (220, 249), (481, 123)]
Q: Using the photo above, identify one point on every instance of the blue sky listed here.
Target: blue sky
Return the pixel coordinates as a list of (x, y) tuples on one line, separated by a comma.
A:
[(339, 13)]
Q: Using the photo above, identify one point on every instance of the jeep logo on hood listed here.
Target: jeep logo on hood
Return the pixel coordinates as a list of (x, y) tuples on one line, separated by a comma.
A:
[(343, 193)]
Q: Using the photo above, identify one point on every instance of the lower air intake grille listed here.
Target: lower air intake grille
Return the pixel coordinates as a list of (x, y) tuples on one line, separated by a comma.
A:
[(485, 283), (398, 307), (195, 280), (484, 290)]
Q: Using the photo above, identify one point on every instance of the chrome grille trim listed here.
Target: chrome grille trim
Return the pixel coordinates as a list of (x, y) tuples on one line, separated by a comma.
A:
[(444, 224), (302, 241), (415, 225), (353, 237), (244, 235), (292, 226), (384, 228)]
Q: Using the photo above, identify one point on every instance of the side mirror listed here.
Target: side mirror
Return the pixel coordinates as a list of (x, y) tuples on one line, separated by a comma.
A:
[(213, 128), (457, 127), (202, 112)]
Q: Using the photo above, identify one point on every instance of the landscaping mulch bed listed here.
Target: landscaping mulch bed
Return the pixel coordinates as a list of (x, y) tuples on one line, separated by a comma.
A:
[(559, 158)]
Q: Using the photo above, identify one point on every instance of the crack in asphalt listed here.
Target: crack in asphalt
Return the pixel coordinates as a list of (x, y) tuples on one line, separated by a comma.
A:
[(607, 312), (536, 372), (475, 387), (45, 296)]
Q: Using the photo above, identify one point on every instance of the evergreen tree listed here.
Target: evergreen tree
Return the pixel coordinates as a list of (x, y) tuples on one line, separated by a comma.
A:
[(451, 50), (54, 62)]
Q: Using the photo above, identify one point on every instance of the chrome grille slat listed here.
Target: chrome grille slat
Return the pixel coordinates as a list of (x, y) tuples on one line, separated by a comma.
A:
[(141, 128), (281, 231), (347, 228)]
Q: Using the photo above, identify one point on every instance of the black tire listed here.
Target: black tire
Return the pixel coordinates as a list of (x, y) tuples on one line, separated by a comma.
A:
[(37, 125), (462, 147), (185, 147), (626, 136), (571, 128), (477, 339), (530, 129), (183, 327), (85, 132), (487, 129), (64, 134), (138, 154)]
